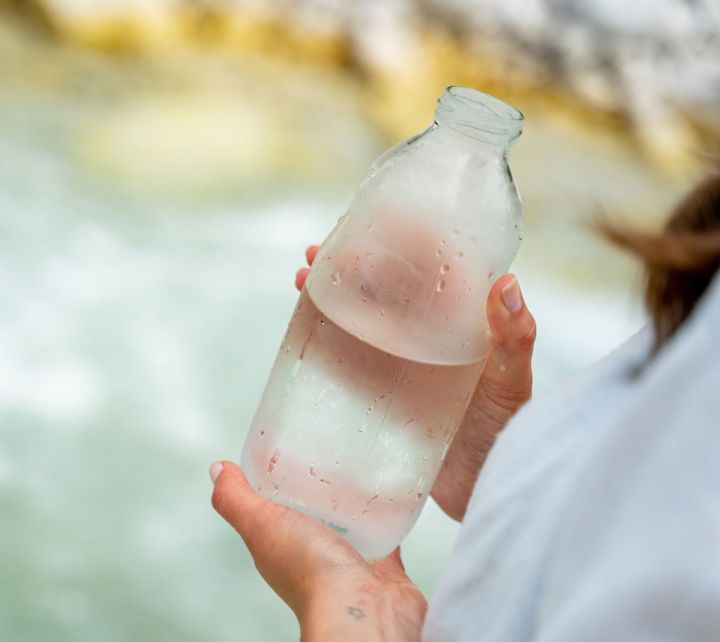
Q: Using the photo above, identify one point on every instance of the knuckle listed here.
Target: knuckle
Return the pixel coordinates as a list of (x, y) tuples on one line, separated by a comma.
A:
[(518, 336), (526, 341)]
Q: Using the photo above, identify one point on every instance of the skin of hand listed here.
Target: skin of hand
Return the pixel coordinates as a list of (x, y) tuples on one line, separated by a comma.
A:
[(505, 385), (334, 592)]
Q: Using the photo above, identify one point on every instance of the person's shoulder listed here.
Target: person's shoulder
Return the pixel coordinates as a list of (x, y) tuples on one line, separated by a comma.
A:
[(691, 358)]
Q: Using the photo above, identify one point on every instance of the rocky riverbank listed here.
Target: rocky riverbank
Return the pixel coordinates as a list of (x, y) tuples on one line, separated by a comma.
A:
[(647, 71)]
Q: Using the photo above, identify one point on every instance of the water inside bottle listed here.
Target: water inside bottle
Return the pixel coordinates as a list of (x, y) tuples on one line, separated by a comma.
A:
[(351, 434)]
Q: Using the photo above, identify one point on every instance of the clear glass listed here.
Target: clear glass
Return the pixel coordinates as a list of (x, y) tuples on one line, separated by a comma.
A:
[(388, 339)]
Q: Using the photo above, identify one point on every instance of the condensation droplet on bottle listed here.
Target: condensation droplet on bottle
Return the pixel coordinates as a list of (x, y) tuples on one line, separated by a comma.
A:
[(287, 349), (443, 241), (438, 252), (322, 321), (445, 268), (491, 275), (441, 285), (456, 232), (273, 460), (335, 278), (458, 256), (465, 344), (262, 434), (382, 312)]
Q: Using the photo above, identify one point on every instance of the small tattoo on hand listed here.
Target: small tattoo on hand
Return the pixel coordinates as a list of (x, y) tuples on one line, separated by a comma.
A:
[(356, 612)]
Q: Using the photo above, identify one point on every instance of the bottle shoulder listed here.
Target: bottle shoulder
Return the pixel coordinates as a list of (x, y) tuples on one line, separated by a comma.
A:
[(440, 170), (443, 152)]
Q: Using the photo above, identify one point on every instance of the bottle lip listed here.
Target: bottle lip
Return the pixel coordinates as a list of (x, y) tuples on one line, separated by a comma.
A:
[(479, 115)]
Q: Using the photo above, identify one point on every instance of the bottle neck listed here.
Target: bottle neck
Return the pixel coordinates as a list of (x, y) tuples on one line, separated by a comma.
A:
[(479, 116)]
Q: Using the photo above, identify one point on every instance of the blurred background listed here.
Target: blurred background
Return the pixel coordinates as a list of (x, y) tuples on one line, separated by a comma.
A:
[(164, 163)]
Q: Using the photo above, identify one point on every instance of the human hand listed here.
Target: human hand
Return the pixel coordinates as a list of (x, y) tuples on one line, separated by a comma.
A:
[(504, 386), (335, 594)]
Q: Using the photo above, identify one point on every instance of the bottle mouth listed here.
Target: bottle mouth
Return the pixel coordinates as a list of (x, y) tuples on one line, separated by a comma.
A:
[(479, 115)]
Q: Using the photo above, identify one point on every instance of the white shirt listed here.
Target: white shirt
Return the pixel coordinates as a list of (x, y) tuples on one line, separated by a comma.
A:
[(597, 514)]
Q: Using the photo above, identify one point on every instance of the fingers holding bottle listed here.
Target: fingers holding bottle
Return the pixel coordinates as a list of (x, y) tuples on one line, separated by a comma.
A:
[(302, 273)]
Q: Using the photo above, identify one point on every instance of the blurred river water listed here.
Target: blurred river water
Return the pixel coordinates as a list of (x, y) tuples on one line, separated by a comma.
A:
[(152, 215)]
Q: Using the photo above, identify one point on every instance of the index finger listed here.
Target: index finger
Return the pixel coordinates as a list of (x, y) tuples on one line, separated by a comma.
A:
[(310, 253)]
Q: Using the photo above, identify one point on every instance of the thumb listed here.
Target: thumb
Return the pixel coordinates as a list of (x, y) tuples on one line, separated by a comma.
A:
[(505, 384), (237, 503), (506, 381)]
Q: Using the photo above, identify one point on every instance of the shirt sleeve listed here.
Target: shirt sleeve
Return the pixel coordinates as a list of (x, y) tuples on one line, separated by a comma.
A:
[(639, 557)]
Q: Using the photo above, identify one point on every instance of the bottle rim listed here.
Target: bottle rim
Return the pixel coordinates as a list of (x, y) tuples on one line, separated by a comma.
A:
[(479, 115)]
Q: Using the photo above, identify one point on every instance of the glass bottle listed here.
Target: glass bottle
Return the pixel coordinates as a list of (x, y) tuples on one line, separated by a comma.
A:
[(388, 339)]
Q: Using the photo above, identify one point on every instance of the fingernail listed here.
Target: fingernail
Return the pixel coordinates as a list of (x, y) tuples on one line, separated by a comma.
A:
[(511, 296), (215, 471)]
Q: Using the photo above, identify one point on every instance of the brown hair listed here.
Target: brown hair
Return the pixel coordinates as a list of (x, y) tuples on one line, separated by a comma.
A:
[(680, 261)]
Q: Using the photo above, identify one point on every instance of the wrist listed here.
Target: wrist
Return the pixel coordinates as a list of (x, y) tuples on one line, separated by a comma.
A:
[(362, 611), (340, 612)]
